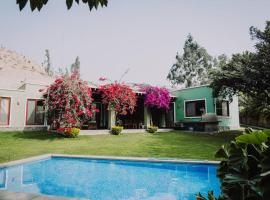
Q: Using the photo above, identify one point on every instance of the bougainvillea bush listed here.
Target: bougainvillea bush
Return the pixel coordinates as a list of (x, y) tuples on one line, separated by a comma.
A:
[(69, 101), (156, 97), (119, 97)]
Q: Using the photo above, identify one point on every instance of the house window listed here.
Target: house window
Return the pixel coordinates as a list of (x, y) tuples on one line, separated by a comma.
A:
[(35, 112), (195, 108), (222, 108), (4, 110)]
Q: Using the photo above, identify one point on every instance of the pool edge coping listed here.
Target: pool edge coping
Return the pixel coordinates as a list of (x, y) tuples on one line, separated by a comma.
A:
[(121, 158), (25, 160)]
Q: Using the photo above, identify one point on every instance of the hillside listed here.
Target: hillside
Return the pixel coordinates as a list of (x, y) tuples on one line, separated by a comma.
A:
[(16, 69)]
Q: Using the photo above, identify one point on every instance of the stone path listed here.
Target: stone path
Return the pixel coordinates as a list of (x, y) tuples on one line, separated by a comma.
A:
[(6, 195), (125, 131)]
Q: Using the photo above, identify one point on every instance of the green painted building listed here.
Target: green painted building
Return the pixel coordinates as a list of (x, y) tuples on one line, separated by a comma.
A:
[(196, 105)]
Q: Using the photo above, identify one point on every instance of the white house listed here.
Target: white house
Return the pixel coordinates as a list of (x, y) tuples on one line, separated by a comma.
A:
[(21, 102)]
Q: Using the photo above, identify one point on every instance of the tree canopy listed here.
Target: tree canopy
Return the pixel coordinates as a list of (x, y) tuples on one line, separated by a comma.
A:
[(76, 66), (191, 68), (47, 64), (247, 73), (38, 4)]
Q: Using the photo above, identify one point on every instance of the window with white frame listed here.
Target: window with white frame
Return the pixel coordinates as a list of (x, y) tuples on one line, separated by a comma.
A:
[(35, 112), (195, 108), (4, 110), (222, 108)]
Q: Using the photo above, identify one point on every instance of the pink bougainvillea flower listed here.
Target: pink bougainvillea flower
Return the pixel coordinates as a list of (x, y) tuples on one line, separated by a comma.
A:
[(69, 101), (119, 96), (157, 97), (80, 113)]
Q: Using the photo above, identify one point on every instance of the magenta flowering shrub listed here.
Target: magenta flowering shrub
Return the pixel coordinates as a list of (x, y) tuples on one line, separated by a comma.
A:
[(157, 97)]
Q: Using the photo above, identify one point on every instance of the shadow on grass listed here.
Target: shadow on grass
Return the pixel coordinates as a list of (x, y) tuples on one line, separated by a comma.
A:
[(177, 136), (38, 135)]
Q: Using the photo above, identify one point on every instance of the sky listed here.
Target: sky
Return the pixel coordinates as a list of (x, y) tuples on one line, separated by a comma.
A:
[(142, 36)]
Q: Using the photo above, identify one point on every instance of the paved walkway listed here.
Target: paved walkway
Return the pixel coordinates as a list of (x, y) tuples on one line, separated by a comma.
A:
[(6, 195), (125, 131)]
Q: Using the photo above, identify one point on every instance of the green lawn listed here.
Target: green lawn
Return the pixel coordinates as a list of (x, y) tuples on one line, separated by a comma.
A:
[(18, 145)]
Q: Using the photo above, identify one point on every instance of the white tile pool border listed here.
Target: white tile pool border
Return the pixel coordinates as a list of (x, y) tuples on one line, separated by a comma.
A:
[(141, 159), (26, 160)]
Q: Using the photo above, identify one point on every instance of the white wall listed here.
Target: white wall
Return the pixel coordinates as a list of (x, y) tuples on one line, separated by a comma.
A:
[(18, 106), (234, 114)]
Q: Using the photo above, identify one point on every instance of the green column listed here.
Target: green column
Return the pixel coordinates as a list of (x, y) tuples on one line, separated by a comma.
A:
[(147, 117), (111, 118)]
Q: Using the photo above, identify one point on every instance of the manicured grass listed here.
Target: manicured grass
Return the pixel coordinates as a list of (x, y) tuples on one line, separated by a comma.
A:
[(18, 145)]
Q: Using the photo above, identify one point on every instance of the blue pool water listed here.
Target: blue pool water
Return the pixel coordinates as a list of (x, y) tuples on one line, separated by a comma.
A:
[(110, 179)]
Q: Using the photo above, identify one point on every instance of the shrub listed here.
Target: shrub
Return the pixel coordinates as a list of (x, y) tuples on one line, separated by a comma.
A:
[(157, 97), (74, 132), (69, 132), (230, 133), (119, 97), (244, 170), (152, 129), (69, 101), (116, 130)]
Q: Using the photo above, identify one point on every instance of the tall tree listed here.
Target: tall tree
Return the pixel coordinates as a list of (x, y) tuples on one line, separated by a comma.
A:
[(219, 61), (247, 73), (38, 4), (252, 109), (47, 63), (75, 67), (191, 68)]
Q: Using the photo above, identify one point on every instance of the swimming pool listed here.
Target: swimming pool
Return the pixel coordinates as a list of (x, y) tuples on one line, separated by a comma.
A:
[(105, 179)]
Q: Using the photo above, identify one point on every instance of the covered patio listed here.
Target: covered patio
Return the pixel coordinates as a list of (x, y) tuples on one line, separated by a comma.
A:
[(140, 119)]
